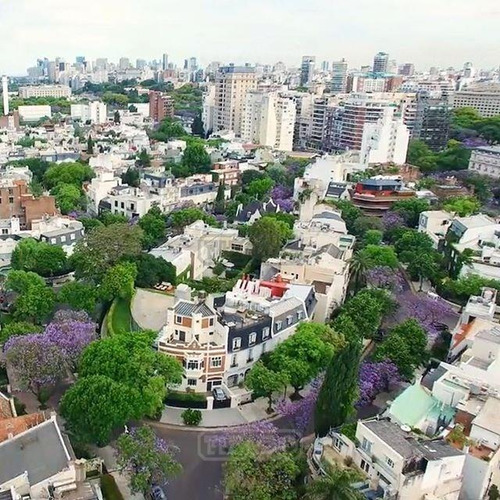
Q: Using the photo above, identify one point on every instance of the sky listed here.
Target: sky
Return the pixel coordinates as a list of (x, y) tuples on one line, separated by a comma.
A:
[(426, 32)]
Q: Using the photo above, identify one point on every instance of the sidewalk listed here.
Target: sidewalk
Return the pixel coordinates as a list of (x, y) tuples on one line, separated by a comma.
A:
[(222, 417), (108, 455)]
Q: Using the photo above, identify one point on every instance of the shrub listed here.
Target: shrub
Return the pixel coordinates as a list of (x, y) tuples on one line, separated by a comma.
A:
[(191, 417)]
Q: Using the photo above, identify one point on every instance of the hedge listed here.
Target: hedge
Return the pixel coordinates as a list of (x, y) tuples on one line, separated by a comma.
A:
[(240, 260), (109, 488), (186, 399)]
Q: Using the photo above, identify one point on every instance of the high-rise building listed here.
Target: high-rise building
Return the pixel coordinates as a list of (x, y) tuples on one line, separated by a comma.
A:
[(269, 119), (381, 62), (232, 84), (432, 119), (307, 70), (5, 95), (192, 64), (164, 61), (338, 84), (101, 63), (469, 71), (485, 99), (124, 63), (407, 69), (208, 108), (160, 106), (386, 140), (140, 64), (325, 66)]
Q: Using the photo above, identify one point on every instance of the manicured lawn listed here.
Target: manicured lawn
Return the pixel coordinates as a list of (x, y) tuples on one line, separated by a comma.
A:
[(120, 318)]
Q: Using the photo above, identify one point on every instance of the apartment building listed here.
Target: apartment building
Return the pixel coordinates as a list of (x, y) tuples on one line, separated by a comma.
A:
[(94, 112), (231, 86), (268, 119), (432, 119), (200, 247), (56, 91), (385, 141), (435, 224), (338, 83), (218, 339), (161, 106), (16, 202), (100, 186), (307, 70), (484, 99), (34, 113), (208, 108), (486, 161)]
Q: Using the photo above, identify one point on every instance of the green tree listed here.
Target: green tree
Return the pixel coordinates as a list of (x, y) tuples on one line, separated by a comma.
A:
[(360, 264), (339, 390), (423, 266), (220, 199), (375, 256), (127, 358), (131, 177), (302, 356), (410, 210), (168, 129), (493, 493), (463, 205), (147, 462), (67, 173), (182, 218), (264, 382), (259, 187), (103, 247), (336, 485), (465, 118), (90, 145), (153, 225), (68, 197), (411, 242), (143, 159), (350, 213), (367, 310), (251, 474), (197, 126), (152, 270), (268, 236), (196, 158), (250, 175), (118, 282), (96, 405), (366, 223), (17, 328), (406, 347), (373, 237), (35, 300), (418, 153), (108, 218), (78, 295)]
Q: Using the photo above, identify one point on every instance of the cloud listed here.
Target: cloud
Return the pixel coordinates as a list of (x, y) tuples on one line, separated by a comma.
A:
[(427, 32)]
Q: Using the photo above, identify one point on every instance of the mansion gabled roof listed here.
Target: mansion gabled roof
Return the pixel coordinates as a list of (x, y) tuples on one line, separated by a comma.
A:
[(189, 308)]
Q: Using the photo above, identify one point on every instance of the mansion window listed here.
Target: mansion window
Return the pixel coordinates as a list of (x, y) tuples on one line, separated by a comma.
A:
[(236, 343), (178, 320), (265, 332), (216, 361), (193, 364), (253, 338), (191, 381)]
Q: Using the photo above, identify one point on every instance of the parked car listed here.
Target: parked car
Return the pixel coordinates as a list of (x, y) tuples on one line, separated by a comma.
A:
[(219, 394), (157, 493)]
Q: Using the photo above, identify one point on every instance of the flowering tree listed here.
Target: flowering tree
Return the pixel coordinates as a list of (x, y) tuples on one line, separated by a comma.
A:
[(392, 220), (263, 433), (375, 378), (147, 458), (385, 277), (282, 196), (37, 362), (71, 337), (429, 312)]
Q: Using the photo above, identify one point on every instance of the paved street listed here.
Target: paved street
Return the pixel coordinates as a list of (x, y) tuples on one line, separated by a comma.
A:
[(202, 474)]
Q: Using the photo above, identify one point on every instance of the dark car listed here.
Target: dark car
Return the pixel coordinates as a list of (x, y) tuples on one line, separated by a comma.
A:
[(219, 394), (157, 493)]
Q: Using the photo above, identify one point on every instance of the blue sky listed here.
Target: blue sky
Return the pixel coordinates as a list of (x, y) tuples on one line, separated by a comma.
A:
[(426, 32)]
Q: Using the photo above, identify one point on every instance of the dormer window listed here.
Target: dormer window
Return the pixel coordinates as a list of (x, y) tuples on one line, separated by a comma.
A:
[(252, 338)]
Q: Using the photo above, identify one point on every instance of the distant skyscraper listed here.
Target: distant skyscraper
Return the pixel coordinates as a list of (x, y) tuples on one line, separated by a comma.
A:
[(339, 76), (5, 94), (101, 63), (407, 69), (164, 61), (80, 59), (192, 64), (325, 66), (469, 71), (124, 63), (380, 62), (140, 64), (307, 70)]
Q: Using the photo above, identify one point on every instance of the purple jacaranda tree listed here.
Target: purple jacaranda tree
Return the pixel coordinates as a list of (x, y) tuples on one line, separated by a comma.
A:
[(474, 142), (392, 220), (262, 432), (375, 378), (385, 277), (71, 337), (430, 312), (37, 362), (283, 196)]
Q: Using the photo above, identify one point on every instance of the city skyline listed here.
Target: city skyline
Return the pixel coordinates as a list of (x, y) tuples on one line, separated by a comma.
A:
[(354, 32)]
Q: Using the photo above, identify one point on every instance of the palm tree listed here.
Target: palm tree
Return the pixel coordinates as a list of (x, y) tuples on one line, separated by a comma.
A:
[(359, 265), (336, 485)]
